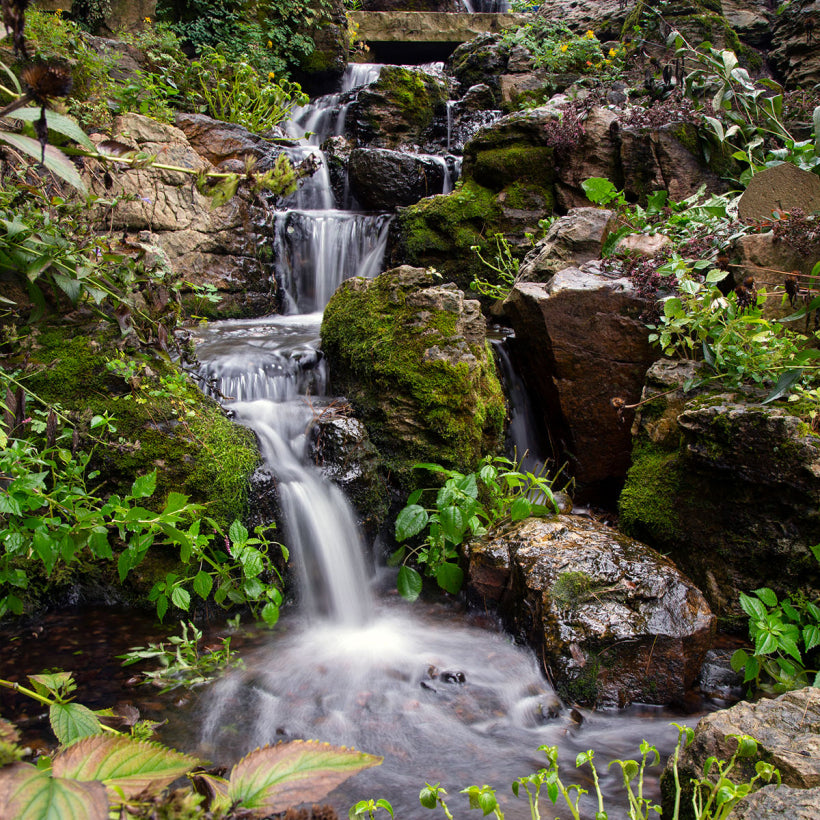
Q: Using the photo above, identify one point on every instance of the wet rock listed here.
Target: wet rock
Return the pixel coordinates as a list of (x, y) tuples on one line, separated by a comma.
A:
[(381, 180), (227, 146), (775, 802), (795, 32), (481, 60), (410, 355), (574, 372), (615, 620), (787, 730), (572, 240), (729, 488), (398, 109), (337, 152), (717, 679)]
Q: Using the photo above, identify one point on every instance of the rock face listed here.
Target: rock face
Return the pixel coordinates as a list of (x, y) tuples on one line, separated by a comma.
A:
[(775, 802), (381, 180), (322, 68), (411, 356), (729, 488), (616, 622), (580, 343), (795, 32), (204, 246), (787, 730)]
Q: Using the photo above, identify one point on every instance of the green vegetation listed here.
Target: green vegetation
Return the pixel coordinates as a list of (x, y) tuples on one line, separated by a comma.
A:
[(715, 793), (466, 506), (786, 637), (98, 770), (505, 266)]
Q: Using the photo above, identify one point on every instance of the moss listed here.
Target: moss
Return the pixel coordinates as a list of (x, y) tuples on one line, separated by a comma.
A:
[(582, 689), (175, 429), (412, 94), (417, 406), (649, 501), (570, 589), (497, 167)]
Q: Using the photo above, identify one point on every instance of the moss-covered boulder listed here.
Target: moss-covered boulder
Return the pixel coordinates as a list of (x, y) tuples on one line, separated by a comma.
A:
[(728, 487), (399, 108), (411, 356)]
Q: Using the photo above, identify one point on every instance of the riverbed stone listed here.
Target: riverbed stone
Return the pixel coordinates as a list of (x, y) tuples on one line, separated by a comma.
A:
[(775, 802), (614, 620), (727, 486), (787, 731), (581, 343), (410, 354)]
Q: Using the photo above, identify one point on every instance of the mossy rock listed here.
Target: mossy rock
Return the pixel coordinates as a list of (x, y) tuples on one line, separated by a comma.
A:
[(170, 427), (412, 358)]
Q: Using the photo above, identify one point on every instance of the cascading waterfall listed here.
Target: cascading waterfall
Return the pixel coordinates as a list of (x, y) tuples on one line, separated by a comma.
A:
[(441, 698)]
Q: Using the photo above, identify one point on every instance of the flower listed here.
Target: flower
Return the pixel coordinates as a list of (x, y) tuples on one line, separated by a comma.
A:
[(589, 63), (590, 35), (270, 43), (564, 47), (271, 76), (613, 52), (146, 19)]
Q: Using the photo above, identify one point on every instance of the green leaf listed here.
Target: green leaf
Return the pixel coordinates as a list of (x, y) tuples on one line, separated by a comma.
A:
[(55, 160), (599, 190), (739, 659), (766, 595), (452, 524), (270, 613), (145, 485), (816, 121), (26, 793), (57, 122), (410, 521), (238, 534), (181, 598), (123, 763), (450, 577), (414, 497), (72, 721), (203, 584), (521, 508), (272, 778), (786, 380), (409, 583), (396, 557)]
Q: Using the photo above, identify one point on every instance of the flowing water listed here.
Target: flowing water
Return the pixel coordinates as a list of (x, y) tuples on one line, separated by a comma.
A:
[(442, 696)]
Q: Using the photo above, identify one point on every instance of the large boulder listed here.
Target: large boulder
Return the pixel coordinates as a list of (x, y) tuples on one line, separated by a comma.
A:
[(411, 355), (382, 180), (727, 486), (580, 344), (615, 621), (787, 730), (205, 246)]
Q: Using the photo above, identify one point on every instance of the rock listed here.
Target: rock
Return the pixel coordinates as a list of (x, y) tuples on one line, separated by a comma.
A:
[(644, 244), (223, 142), (571, 240), (773, 802), (410, 355), (787, 730), (337, 152), (781, 188), (320, 71), (343, 452), (382, 180), (717, 679), (481, 60), (446, 6), (581, 344), (398, 109), (615, 621), (795, 31), (751, 19), (729, 488)]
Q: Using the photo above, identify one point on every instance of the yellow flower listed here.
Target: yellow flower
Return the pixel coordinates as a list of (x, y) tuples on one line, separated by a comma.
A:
[(564, 47), (270, 43), (147, 19), (613, 53), (590, 35), (608, 62), (271, 76), (59, 12)]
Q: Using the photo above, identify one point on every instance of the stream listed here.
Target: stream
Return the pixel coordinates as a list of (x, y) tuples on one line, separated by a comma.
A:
[(443, 695)]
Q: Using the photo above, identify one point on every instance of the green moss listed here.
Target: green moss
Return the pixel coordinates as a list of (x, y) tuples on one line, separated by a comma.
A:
[(497, 167), (417, 406), (177, 430), (582, 689), (570, 589), (413, 94), (649, 501)]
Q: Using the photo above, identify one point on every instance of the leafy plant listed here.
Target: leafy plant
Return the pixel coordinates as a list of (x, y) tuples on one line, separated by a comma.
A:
[(786, 638), (369, 808), (712, 799), (467, 505), (98, 770), (505, 266), (182, 662)]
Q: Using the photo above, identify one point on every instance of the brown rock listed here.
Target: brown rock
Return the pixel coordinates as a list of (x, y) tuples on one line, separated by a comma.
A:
[(782, 188)]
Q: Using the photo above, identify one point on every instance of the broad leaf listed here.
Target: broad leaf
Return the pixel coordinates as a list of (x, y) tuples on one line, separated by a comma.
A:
[(410, 521), (783, 385), (57, 122), (72, 721), (26, 793), (238, 533), (450, 577), (273, 778), (203, 584), (408, 583), (521, 508), (452, 524), (145, 485), (123, 763), (56, 161)]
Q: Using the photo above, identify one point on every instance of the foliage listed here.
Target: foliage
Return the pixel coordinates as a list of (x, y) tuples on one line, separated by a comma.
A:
[(182, 662), (714, 798), (369, 808), (49, 516), (234, 92), (505, 266), (98, 770), (467, 505), (786, 637)]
